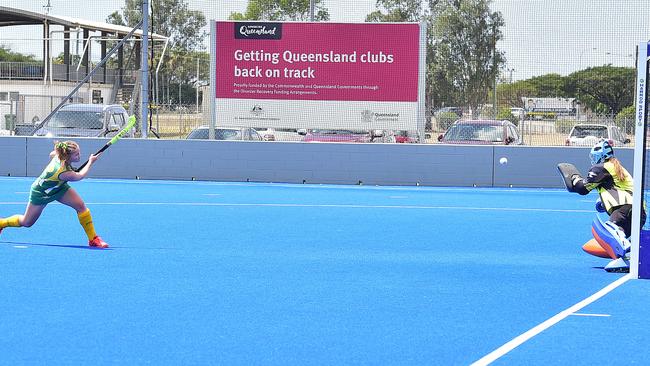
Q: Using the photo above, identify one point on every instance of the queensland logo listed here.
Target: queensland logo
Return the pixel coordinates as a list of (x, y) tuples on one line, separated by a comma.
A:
[(257, 110), (367, 116), (387, 117), (254, 30)]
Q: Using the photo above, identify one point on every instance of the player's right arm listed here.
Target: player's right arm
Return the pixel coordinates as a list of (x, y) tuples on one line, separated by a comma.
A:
[(597, 174), (72, 175)]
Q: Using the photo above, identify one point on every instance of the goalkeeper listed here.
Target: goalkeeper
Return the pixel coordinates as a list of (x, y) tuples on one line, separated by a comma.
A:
[(52, 185), (615, 186)]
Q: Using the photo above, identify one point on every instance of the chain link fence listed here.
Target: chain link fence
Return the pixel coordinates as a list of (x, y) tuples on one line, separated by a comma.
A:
[(22, 113), (180, 101)]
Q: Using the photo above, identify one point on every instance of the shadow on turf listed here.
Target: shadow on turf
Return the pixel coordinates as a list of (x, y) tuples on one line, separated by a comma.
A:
[(53, 245), (80, 246)]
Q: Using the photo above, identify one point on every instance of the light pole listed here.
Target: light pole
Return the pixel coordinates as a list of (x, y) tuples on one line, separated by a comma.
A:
[(197, 85), (619, 55), (582, 53)]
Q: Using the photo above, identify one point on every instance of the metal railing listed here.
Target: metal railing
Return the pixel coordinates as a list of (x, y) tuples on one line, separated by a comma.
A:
[(21, 70), (34, 71)]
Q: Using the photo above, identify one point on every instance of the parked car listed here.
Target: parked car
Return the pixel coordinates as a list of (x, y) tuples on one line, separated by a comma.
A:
[(334, 135), (287, 134), (225, 133), (590, 134), (482, 132), (268, 134), (403, 137), (86, 120)]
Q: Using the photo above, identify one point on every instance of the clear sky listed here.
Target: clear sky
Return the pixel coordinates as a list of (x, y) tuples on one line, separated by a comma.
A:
[(540, 36)]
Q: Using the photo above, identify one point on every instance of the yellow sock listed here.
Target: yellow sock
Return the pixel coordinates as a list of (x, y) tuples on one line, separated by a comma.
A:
[(10, 221), (86, 222)]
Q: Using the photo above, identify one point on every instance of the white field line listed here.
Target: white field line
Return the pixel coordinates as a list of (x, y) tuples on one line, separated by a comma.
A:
[(522, 338), (409, 207)]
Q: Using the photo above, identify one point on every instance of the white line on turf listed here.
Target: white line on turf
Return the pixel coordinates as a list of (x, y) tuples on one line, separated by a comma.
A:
[(410, 207), (20, 246), (522, 338), (587, 314)]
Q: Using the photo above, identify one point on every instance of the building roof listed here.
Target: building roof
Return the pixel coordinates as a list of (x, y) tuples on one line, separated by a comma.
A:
[(14, 16)]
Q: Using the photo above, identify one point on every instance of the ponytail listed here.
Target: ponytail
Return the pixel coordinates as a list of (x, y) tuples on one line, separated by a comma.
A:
[(618, 169), (64, 149)]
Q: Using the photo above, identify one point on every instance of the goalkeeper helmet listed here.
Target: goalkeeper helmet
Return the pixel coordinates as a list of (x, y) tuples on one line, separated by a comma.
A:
[(601, 152)]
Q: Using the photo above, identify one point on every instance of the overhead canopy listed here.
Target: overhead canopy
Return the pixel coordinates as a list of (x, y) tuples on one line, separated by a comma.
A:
[(13, 16)]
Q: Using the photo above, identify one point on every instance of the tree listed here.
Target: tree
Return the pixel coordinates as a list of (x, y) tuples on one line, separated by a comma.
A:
[(185, 77), (74, 59), (170, 18), (184, 27), (296, 10), (510, 94), (548, 86), (603, 89), (7, 55), (505, 113), (398, 11), (415, 11), (625, 119), (466, 34)]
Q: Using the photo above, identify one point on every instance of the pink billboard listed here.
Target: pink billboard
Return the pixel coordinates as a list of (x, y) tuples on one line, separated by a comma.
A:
[(317, 61)]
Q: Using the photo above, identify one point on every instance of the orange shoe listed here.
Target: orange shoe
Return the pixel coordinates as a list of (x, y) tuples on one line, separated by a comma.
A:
[(98, 243)]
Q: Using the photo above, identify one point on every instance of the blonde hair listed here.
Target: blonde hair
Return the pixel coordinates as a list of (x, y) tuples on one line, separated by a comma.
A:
[(618, 168), (64, 149)]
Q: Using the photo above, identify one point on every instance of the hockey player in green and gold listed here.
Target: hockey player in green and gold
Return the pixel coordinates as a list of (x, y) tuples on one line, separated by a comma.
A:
[(52, 185)]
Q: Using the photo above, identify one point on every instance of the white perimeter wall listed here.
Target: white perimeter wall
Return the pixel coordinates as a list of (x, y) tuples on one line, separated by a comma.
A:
[(380, 164)]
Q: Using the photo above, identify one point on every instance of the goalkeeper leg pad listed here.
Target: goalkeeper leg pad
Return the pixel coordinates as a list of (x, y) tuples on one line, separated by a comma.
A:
[(592, 247), (610, 237)]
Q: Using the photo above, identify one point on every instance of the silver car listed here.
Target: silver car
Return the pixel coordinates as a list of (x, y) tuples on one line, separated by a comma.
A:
[(86, 120), (225, 133)]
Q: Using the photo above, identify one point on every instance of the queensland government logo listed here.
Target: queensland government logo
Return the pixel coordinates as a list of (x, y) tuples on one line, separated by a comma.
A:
[(257, 110), (258, 30), (367, 116)]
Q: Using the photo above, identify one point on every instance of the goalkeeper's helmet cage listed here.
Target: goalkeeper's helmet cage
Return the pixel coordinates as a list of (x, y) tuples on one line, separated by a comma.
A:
[(601, 152)]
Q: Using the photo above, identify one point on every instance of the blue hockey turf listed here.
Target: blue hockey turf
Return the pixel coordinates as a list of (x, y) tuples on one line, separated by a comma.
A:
[(278, 274)]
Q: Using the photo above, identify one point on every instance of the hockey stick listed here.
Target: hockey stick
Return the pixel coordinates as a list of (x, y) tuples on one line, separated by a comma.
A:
[(115, 138)]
